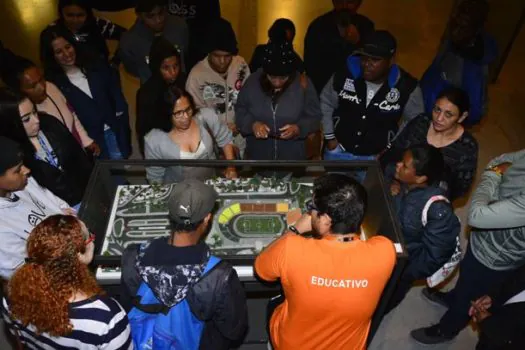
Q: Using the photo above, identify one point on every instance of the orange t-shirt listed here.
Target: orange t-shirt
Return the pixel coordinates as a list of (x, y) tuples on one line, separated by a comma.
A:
[(332, 289)]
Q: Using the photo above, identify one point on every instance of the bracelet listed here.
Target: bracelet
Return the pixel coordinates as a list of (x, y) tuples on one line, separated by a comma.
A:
[(294, 229)]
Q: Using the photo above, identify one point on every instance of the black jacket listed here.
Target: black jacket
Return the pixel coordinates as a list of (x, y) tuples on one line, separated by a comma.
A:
[(218, 299), (505, 328), (431, 246), (70, 182), (324, 48)]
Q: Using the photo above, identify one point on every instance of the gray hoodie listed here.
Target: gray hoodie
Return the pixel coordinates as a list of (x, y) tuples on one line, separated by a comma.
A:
[(296, 105)]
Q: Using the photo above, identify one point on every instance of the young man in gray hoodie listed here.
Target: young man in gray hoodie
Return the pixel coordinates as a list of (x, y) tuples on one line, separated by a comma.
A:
[(496, 249), (152, 21)]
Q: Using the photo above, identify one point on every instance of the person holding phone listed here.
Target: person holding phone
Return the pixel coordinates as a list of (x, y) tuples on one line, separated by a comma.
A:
[(277, 108)]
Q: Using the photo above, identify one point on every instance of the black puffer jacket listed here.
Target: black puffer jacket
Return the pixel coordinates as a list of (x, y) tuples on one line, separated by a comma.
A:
[(69, 182), (429, 247), (218, 299)]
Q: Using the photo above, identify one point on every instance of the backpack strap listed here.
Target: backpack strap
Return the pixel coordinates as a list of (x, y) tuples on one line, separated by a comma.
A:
[(158, 308), (212, 262), (431, 200)]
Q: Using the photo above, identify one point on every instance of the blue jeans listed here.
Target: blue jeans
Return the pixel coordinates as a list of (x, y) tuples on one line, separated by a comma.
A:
[(475, 280), (112, 145), (339, 154)]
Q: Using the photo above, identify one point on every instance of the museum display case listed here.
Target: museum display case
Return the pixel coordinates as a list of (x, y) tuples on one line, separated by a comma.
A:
[(122, 208)]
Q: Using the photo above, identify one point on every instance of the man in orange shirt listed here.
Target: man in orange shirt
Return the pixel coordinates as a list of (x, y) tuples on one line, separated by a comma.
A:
[(332, 280)]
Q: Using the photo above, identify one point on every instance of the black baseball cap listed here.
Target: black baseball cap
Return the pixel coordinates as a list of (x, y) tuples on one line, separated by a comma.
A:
[(190, 201), (378, 44), (11, 154)]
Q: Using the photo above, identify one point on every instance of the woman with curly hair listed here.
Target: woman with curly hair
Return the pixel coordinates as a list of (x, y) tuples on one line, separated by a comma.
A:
[(54, 301)]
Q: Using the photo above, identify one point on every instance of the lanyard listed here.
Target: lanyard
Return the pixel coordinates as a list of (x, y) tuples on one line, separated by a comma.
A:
[(51, 157)]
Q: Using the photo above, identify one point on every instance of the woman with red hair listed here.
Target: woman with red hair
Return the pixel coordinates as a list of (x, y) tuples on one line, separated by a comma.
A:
[(54, 301)]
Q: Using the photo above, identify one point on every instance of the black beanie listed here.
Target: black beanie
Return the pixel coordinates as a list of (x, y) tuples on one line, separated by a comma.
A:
[(279, 59), (161, 48), (222, 37), (11, 154)]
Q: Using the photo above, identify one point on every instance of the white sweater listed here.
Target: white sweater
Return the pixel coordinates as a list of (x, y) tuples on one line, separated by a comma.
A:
[(19, 214)]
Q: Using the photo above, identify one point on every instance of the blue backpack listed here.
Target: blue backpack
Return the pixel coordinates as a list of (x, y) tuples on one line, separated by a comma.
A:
[(159, 327)]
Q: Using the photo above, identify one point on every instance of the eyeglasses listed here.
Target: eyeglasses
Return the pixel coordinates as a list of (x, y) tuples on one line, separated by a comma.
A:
[(188, 112), (310, 206), (91, 238)]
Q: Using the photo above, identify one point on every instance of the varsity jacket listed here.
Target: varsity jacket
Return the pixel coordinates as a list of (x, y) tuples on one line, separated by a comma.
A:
[(361, 129), (20, 213), (210, 89), (497, 215)]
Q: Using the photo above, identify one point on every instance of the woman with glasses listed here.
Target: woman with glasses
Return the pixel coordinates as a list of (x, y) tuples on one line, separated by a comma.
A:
[(443, 130), (54, 300), (56, 159), (187, 133), (277, 108)]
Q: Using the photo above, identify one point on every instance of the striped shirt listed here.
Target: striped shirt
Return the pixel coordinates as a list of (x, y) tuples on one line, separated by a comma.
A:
[(98, 323)]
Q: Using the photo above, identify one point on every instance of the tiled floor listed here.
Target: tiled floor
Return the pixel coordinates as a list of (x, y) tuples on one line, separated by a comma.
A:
[(418, 26)]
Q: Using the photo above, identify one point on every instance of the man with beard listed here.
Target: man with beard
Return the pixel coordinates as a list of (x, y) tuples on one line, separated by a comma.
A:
[(331, 38), (165, 66)]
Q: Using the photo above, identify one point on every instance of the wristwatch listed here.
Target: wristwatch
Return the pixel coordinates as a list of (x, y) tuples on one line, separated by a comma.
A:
[(294, 229)]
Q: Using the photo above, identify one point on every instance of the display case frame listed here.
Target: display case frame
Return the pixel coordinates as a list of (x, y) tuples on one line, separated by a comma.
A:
[(98, 202)]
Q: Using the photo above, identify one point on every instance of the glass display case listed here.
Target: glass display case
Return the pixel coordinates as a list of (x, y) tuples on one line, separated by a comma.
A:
[(121, 208)]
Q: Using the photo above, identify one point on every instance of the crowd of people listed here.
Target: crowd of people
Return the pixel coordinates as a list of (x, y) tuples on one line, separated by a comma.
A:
[(199, 99)]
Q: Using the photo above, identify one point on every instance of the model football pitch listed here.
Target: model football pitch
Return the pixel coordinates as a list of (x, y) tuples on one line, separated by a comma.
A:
[(251, 213)]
